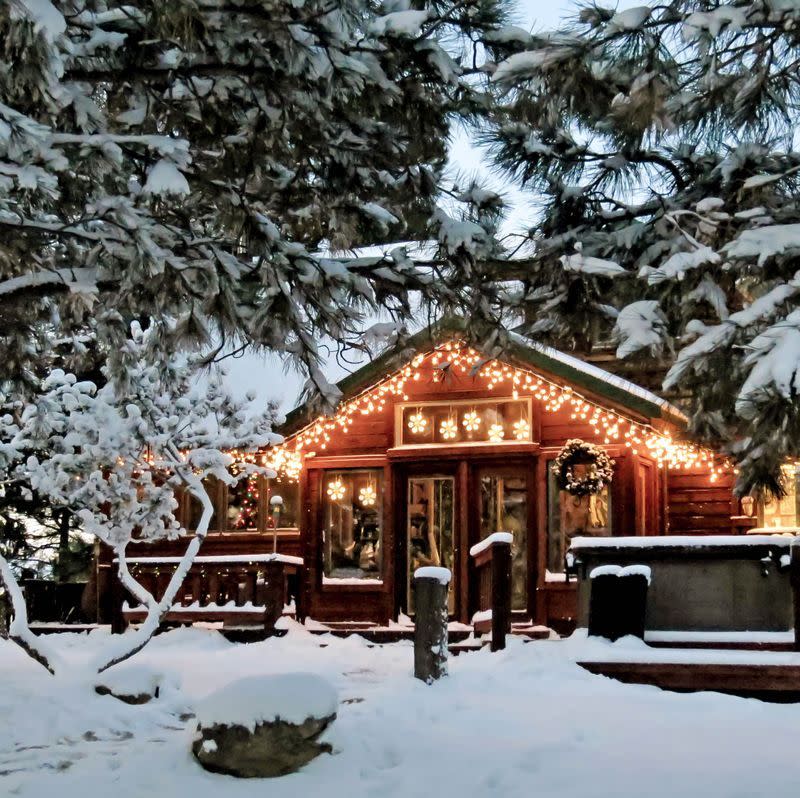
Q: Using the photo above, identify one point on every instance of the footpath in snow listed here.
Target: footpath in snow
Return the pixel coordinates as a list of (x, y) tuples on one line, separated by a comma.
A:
[(522, 722)]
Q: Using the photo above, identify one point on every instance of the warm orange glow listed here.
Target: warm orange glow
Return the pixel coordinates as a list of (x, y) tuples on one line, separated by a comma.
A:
[(610, 426)]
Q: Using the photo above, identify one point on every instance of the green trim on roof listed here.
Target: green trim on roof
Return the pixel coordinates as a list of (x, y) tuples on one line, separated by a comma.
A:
[(515, 354)]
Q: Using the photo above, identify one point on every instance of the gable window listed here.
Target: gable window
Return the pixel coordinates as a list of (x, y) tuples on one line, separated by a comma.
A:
[(352, 511), (571, 516), (481, 421)]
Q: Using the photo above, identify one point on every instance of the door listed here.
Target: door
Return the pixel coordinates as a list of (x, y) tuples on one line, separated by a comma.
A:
[(428, 513), (504, 506)]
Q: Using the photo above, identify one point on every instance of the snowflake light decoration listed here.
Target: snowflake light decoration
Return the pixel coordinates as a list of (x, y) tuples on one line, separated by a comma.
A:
[(496, 433), (336, 489), (368, 496), (522, 430), (448, 429), (471, 421), (417, 423)]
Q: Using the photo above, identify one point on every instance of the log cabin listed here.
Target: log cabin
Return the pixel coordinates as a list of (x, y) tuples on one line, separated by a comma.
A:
[(428, 453)]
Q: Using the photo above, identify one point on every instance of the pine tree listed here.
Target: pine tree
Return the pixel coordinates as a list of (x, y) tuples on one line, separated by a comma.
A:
[(185, 164), (117, 459), (661, 142)]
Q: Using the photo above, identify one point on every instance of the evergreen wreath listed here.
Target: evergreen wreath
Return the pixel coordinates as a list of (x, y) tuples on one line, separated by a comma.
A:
[(578, 452)]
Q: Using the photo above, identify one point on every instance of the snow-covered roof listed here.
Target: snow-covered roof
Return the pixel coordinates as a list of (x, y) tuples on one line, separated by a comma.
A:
[(546, 359), (601, 374)]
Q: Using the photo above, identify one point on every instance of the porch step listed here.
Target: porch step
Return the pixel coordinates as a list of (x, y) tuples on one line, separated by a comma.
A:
[(533, 631)]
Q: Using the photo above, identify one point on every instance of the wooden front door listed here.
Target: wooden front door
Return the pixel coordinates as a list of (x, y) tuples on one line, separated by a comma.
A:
[(427, 532)]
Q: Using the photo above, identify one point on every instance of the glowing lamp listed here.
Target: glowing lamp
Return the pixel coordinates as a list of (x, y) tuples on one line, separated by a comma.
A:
[(496, 433), (336, 490), (522, 430), (471, 421), (368, 496), (417, 423), (448, 429)]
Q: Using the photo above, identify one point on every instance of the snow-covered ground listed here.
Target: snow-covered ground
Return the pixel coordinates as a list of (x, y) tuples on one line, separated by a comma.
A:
[(523, 722)]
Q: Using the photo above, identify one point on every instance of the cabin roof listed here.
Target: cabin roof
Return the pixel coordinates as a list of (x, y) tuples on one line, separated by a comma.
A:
[(521, 351)]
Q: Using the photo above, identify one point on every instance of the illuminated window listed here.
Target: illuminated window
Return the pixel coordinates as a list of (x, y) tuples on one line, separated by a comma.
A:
[(504, 508), (244, 504), (783, 512), (571, 516), (289, 515), (496, 422), (352, 509)]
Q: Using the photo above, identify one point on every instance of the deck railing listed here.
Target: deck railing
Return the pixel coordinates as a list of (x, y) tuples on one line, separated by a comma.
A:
[(239, 589), (492, 558)]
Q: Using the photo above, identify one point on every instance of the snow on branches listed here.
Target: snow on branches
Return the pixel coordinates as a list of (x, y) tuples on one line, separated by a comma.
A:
[(293, 129), (661, 140), (119, 458)]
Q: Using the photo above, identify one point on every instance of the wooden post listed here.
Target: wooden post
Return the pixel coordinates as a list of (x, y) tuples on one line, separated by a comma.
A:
[(274, 591), (430, 623), (794, 579), (501, 594)]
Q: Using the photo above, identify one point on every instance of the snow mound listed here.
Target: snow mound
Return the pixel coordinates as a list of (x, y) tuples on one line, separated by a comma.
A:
[(291, 697), (133, 683)]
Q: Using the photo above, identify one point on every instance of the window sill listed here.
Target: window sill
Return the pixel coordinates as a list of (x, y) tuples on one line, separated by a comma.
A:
[(351, 583)]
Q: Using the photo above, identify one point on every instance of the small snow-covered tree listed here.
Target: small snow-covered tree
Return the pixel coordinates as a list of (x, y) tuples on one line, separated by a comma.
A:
[(196, 163), (118, 459), (661, 140)]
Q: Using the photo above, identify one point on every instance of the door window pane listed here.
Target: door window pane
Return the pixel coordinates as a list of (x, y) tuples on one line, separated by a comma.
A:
[(352, 507), (504, 508), (571, 516), (430, 529)]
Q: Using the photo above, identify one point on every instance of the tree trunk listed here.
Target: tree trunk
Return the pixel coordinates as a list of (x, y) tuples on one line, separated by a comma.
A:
[(130, 644), (19, 630)]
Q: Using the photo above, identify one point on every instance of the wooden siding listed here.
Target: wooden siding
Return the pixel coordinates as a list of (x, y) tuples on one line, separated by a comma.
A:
[(698, 506)]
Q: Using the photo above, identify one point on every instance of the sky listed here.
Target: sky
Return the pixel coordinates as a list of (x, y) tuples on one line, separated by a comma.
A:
[(264, 374)]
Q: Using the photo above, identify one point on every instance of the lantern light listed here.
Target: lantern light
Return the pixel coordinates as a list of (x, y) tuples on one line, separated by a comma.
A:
[(336, 489), (496, 433), (417, 423), (368, 496), (471, 421), (522, 430), (448, 429)]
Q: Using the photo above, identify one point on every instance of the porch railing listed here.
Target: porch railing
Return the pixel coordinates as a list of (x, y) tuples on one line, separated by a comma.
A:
[(240, 589), (492, 558)]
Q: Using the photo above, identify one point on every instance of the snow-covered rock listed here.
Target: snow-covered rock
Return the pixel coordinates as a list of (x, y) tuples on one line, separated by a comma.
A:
[(264, 726), (133, 684)]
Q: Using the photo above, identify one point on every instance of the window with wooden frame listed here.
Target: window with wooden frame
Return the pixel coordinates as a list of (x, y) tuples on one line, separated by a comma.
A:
[(570, 516), (288, 515), (352, 518), (783, 513), (481, 421)]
